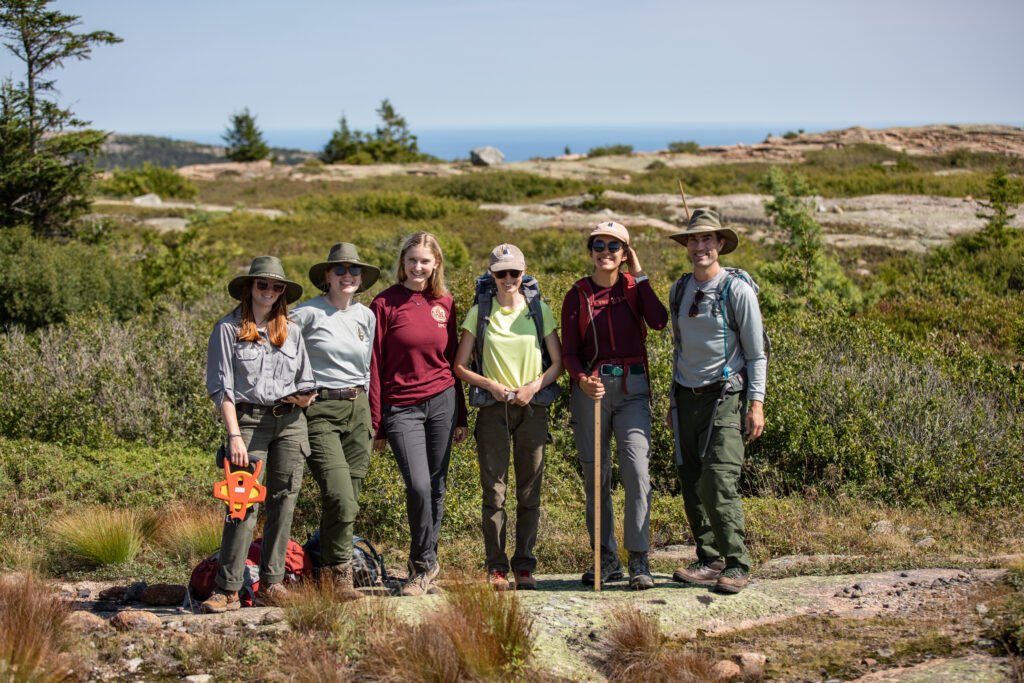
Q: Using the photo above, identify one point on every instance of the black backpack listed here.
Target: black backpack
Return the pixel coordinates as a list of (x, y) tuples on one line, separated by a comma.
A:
[(367, 564), (486, 290)]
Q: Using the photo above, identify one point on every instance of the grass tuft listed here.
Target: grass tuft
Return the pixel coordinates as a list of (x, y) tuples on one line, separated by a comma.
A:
[(188, 532), (32, 632), (491, 631), (99, 536), (635, 648), (312, 660)]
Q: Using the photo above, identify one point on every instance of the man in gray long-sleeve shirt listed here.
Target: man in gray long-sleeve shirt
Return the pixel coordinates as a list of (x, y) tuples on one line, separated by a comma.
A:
[(719, 373)]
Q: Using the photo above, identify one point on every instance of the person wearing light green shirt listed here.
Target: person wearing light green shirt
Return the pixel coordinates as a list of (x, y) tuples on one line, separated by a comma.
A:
[(512, 372)]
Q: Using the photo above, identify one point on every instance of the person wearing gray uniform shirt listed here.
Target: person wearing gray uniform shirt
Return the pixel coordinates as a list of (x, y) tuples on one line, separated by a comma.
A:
[(338, 332), (259, 377), (719, 373)]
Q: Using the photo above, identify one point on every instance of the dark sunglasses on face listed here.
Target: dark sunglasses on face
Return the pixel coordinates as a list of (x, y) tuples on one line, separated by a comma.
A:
[(502, 274), (277, 287), (351, 268), (694, 307), (599, 246)]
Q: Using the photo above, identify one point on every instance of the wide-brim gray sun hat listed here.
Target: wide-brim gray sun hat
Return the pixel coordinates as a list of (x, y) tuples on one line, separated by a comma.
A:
[(706, 220), (343, 252), (270, 268)]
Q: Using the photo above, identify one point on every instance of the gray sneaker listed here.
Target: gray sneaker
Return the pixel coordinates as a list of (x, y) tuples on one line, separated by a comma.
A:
[(640, 578), (701, 572), (611, 570)]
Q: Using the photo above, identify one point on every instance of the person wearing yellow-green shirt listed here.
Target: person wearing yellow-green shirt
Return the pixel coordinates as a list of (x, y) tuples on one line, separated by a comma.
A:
[(514, 389)]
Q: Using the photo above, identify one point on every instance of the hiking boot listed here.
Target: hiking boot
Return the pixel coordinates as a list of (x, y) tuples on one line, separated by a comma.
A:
[(498, 579), (525, 580), (701, 572), (271, 595), (342, 580), (732, 580), (220, 601), (434, 572), (611, 570), (416, 585), (640, 578)]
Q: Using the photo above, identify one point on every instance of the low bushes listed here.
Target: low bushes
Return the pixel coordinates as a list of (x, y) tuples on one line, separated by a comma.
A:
[(504, 186), (610, 150), (404, 205), (133, 182)]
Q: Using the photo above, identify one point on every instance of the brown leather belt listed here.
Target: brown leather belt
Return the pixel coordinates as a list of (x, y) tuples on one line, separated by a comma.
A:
[(715, 388), (347, 394)]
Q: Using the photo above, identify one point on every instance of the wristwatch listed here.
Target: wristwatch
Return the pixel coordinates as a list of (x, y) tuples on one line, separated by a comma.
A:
[(641, 278)]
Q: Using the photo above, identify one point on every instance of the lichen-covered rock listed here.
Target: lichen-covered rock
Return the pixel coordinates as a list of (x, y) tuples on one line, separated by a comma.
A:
[(486, 156), (135, 620), (113, 594), (86, 622), (163, 594), (751, 664), (726, 670)]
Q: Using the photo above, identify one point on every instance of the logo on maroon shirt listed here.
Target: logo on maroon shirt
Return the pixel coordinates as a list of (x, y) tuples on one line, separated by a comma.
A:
[(439, 314)]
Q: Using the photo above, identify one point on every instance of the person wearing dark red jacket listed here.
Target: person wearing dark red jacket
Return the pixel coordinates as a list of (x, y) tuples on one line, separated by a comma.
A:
[(416, 404), (604, 329)]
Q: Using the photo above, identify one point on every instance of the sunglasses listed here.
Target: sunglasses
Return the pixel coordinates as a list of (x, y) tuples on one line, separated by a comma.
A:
[(694, 307), (599, 246), (502, 274), (276, 287), (351, 268)]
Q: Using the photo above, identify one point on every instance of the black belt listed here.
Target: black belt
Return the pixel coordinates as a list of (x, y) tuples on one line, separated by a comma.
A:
[(254, 409), (346, 394), (619, 369), (715, 388)]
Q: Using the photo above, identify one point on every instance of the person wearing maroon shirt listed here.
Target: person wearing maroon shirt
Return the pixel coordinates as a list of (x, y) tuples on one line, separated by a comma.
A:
[(604, 329), (416, 404)]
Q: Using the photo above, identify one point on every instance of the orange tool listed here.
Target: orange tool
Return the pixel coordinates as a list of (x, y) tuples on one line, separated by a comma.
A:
[(240, 489)]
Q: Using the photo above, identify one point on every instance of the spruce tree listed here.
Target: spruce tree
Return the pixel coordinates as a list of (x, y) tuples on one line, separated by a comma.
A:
[(344, 143), (46, 154), (244, 139)]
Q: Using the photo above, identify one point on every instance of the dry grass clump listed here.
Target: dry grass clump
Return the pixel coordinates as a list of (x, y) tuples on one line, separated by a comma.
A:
[(479, 634), (635, 648), (188, 532), (313, 660), (98, 536), (32, 632)]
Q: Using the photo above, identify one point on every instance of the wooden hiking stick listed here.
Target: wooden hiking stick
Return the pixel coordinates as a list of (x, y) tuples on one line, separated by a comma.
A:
[(682, 192), (597, 495)]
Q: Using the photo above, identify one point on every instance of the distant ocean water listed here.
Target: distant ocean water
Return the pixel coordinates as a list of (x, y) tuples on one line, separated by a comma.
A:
[(519, 144)]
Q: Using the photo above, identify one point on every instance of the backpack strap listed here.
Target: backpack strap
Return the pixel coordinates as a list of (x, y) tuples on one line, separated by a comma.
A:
[(585, 319), (531, 291), (675, 301), (484, 304)]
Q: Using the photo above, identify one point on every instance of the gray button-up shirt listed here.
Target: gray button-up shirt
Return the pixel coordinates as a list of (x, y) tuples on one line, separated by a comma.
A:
[(247, 372)]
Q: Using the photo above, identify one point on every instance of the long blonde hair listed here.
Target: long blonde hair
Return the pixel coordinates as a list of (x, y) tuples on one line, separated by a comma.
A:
[(277, 321), (435, 283)]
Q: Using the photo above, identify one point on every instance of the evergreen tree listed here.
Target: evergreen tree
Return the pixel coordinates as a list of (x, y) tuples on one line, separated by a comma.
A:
[(391, 142), (46, 154), (344, 143), (244, 139), (1003, 195)]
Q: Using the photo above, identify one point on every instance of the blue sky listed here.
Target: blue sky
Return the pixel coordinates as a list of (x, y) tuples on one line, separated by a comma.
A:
[(186, 65)]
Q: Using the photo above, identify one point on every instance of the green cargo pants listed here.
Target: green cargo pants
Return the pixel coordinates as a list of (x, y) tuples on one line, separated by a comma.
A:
[(281, 443), (711, 486), (340, 441)]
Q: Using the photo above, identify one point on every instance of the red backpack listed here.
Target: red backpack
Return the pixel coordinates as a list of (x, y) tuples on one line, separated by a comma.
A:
[(297, 565)]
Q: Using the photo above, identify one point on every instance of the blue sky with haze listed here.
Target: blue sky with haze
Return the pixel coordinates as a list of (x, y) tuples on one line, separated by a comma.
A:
[(188, 64)]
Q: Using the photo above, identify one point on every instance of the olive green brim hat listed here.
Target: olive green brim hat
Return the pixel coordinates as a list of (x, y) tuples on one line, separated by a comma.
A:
[(343, 252), (706, 220), (270, 268)]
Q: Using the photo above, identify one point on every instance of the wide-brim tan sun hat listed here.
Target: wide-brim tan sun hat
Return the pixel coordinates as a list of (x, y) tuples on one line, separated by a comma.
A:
[(611, 229), (344, 252), (269, 268), (706, 220)]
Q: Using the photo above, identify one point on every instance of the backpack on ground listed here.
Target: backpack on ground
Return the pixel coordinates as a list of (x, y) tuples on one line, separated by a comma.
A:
[(367, 564), (721, 299), (202, 582), (483, 299)]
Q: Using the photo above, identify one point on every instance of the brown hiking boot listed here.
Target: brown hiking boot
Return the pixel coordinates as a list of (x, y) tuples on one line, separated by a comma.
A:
[(418, 584), (498, 578), (701, 572), (525, 580), (271, 595), (341, 579), (732, 580), (220, 601)]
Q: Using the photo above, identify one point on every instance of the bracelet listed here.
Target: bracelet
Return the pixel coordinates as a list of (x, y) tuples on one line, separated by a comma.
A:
[(231, 436)]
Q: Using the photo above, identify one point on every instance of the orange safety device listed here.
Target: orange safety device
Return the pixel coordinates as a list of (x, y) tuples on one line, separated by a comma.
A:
[(240, 489)]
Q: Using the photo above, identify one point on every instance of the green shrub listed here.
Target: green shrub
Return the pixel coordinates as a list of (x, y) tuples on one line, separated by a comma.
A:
[(504, 186), (405, 205), (610, 150), (133, 182), (98, 536), (655, 165), (684, 147)]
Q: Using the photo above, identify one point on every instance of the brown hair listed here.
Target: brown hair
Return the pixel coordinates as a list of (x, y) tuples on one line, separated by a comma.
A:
[(277, 322), (435, 284)]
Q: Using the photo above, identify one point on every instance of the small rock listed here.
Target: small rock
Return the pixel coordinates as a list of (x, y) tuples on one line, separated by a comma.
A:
[(84, 593), (199, 678), (884, 652), (135, 620), (882, 526), (486, 156), (273, 616), (986, 643), (148, 200), (751, 665), (981, 608), (113, 594), (904, 574), (837, 208), (868, 661), (858, 587), (163, 594), (925, 542), (134, 591), (726, 670), (86, 622), (133, 664)]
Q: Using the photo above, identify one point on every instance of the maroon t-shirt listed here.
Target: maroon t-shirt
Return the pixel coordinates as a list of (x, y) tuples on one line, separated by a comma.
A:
[(413, 350), (618, 332)]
